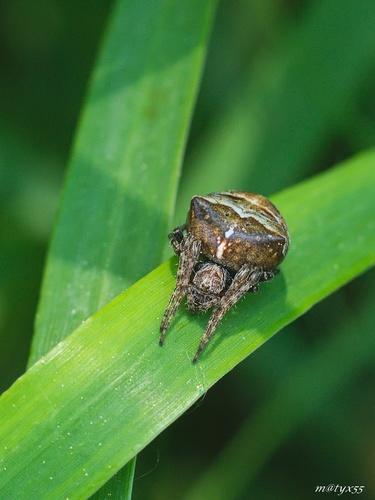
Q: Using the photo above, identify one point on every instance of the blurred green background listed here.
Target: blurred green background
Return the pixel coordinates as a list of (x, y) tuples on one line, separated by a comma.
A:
[(295, 82)]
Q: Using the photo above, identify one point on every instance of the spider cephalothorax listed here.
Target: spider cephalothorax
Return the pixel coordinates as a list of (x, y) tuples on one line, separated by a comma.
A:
[(234, 240), (208, 285)]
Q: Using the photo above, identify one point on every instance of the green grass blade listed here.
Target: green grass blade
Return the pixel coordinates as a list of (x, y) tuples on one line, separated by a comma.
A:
[(124, 171), (123, 175), (108, 389), (120, 486)]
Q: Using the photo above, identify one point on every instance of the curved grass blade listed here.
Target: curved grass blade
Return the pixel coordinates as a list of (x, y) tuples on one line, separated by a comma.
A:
[(108, 389)]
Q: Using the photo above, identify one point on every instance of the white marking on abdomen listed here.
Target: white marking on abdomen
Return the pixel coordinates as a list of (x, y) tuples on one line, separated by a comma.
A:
[(221, 248), (229, 232)]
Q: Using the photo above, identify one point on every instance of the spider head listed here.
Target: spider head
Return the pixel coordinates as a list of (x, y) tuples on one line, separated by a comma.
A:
[(208, 285)]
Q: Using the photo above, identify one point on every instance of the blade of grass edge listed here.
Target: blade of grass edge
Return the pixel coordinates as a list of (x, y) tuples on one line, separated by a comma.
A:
[(107, 390)]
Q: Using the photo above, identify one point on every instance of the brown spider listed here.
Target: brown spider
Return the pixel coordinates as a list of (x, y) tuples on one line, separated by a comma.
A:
[(234, 240)]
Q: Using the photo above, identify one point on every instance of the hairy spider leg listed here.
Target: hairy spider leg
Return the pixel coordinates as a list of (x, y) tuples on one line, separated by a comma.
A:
[(176, 237), (188, 259), (248, 276)]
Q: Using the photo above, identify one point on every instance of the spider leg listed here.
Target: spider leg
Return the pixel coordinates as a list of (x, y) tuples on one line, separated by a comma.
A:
[(188, 258), (176, 238), (269, 275), (247, 277)]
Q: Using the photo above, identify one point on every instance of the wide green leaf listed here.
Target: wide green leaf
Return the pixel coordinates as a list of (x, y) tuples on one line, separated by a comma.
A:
[(103, 393)]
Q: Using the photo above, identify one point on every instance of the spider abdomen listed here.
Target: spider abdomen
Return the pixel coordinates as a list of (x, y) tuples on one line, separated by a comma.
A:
[(237, 228)]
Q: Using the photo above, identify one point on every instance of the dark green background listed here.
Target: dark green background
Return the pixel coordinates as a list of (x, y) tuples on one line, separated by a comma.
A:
[(298, 74)]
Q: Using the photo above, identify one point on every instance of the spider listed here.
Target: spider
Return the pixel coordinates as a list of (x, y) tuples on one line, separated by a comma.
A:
[(231, 242)]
